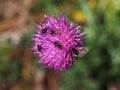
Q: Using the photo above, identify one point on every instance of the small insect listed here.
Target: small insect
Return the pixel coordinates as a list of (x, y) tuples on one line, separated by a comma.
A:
[(39, 48), (55, 32), (75, 51), (56, 43), (44, 31)]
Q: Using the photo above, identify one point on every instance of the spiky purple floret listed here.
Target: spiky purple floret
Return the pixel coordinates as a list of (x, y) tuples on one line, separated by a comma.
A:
[(57, 41)]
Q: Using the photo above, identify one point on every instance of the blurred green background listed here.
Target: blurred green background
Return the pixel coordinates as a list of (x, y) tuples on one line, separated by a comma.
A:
[(98, 70)]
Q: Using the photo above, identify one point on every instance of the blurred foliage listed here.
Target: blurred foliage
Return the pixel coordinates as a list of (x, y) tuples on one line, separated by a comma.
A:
[(10, 67), (101, 22)]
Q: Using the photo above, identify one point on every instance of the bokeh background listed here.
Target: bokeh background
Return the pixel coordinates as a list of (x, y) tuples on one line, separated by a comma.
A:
[(98, 70)]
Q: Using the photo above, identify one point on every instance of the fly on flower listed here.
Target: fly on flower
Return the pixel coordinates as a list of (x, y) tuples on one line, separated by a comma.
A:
[(57, 42)]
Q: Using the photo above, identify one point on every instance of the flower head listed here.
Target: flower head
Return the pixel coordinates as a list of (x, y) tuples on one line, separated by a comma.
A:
[(57, 42)]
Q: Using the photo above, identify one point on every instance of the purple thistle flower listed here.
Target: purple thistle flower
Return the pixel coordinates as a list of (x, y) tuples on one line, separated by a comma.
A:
[(57, 42)]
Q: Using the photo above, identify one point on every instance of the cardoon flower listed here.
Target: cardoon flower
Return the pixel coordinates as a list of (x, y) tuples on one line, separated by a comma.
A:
[(57, 42)]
